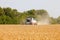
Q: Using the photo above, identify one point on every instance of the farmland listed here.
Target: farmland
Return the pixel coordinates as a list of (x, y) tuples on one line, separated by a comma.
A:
[(30, 32)]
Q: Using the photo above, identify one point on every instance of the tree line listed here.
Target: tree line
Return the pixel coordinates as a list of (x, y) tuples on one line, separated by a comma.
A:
[(12, 16)]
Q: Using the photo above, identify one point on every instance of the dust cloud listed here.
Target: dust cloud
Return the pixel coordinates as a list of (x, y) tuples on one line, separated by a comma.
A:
[(43, 21)]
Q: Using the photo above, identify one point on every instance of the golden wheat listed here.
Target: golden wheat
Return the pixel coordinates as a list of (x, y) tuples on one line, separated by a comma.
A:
[(29, 32)]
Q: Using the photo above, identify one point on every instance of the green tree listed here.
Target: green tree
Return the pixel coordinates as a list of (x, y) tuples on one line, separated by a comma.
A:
[(58, 20), (53, 20), (1, 11), (41, 14), (31, 13), (11, 16)]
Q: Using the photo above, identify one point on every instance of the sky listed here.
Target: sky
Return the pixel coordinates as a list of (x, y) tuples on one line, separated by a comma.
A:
[(52, 6)]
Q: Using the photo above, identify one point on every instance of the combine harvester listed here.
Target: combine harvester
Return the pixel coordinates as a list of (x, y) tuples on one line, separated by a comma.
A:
[(32, 21)]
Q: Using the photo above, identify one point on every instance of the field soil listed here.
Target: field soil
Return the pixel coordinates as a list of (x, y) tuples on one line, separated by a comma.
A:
[(30, 32)]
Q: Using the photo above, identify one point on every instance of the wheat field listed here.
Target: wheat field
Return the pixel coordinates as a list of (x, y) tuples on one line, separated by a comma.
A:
[(29, 32)]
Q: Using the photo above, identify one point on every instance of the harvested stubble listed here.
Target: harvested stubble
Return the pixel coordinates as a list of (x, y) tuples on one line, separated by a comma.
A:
[(29, 32)]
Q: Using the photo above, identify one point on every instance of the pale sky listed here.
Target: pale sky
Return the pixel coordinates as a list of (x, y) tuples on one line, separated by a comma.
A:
[(52, 6)]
